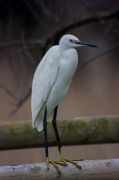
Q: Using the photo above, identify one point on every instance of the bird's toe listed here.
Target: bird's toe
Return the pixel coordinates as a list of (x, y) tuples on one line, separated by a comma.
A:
[(54, 163)]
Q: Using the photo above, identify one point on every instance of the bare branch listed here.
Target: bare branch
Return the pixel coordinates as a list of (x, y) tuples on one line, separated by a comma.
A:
[(100, 55), (85, 130), (86, 20), (35, 14), (91, 169), (27, 53), (21, 102), (12, 68), (47, 11), (41, 43), (8, 92), (97, 18)]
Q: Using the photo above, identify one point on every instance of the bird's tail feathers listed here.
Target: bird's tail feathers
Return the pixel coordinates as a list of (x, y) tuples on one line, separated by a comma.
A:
[(40, 127), (38, 124)]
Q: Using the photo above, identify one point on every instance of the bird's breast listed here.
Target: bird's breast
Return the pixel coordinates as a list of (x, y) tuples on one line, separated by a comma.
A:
[(68, 65), (64, 76)]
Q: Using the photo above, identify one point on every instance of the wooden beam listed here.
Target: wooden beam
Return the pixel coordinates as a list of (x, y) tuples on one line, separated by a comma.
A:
[(93, 170), (86, 130)]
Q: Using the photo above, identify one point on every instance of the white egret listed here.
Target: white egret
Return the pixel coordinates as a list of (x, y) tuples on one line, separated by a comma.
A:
[(50, 84)]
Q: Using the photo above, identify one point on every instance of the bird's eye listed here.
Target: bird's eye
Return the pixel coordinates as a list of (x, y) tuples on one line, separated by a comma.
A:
[(71, 41)]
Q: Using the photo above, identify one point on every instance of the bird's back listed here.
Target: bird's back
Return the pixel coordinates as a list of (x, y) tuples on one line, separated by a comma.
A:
[(43, 80)]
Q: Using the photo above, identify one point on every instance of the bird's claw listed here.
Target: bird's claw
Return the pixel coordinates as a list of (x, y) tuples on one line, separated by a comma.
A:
[(65, 160), (54, 163)]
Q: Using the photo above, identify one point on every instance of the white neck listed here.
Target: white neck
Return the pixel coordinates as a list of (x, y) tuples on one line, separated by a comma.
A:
[(63, 48)]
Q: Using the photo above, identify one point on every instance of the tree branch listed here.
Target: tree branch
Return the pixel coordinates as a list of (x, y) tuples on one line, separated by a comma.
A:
[(86, 20), (97, 18), (20, 102), (113, 47), (83, 21), (8, 92), (41, 43), (92, 130), (93, 170)]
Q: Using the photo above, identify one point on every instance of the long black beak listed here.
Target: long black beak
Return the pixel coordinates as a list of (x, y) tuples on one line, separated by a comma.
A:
[(84, 43)]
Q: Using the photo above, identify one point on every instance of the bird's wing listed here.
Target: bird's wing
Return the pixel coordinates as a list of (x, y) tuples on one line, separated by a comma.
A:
[(42, 84)]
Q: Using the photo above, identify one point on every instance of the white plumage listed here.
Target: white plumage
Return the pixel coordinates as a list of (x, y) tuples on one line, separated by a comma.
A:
[(52, 78)]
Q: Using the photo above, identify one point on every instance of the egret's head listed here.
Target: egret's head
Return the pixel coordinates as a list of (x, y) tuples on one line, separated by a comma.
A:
[(71, 41)]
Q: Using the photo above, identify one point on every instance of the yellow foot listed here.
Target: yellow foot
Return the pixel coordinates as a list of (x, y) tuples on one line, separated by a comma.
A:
[(65, 160), (54, 163)]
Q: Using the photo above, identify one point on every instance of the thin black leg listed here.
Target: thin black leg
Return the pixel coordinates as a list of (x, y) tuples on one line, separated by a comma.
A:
[(45, 132), (55, 128)]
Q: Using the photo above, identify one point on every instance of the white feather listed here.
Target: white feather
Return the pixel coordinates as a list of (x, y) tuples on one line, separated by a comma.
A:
[(52, 79)]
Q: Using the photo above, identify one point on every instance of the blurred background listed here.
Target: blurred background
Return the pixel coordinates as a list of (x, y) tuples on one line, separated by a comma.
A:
[(28, 28)]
